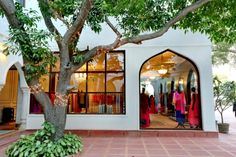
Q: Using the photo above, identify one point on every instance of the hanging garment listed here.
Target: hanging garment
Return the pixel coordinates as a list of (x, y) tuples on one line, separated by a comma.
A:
[(35, 107), (81, 100), (194, 111), (180, 102), (144, 111), (162, 103), (170, 106), (153, 108)]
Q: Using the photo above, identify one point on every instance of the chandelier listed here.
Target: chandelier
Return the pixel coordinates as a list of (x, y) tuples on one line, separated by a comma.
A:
[(162, 70)]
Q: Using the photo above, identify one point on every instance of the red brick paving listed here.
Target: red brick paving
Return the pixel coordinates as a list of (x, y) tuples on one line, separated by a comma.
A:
[(145, 146)]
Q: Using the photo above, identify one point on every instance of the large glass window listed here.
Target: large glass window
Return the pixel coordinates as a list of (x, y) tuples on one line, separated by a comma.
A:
[(99, 86)]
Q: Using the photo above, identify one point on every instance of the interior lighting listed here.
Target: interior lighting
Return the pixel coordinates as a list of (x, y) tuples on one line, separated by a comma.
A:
[(162, 70)]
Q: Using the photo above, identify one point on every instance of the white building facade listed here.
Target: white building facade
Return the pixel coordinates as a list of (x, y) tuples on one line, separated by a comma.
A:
[(193, 48)]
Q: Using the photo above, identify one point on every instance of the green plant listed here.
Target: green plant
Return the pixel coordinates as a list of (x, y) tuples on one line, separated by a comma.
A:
[(224, 95), (40, 144)]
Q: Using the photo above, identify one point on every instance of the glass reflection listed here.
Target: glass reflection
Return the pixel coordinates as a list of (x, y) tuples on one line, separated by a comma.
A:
[(96, 103), (97, 63), (115, 82), (115, 61), (83, 68), (96, 82), (78, 81), (44, 81), (114, 103)]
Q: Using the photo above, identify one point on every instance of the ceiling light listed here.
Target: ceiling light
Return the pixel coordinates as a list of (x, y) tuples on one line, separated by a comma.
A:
[(162, 70)]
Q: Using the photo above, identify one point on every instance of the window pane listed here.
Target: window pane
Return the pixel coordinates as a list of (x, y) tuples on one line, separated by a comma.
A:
[(56, 68), (77, 103), (97, 63), (96, 103), (115, 61), (44, 81), (96, 82), (53, 82), (83, 68), (115, 103), (78, 80), (35, 107), (115, 82)]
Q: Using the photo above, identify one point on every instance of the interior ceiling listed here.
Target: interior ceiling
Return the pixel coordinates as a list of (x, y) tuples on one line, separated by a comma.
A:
[(167, 60)]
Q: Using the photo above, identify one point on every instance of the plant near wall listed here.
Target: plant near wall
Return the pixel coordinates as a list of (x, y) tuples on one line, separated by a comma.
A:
[(224, 95), (40, 144), (132, 21)]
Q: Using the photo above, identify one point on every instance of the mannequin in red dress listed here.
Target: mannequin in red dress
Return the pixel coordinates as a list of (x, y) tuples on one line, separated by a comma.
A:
[(144, 110), (152, 104), (194, 110)]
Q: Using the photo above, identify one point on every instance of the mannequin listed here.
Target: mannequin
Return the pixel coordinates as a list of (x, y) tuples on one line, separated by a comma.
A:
[(144, 110), (179, 101), (193, 117)]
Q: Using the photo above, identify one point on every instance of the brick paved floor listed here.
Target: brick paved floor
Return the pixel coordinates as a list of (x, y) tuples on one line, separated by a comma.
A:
[(224, 146)]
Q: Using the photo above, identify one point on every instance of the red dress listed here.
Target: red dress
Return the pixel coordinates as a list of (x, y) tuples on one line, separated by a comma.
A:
[(152, 105), (194, 110), (144, 111)]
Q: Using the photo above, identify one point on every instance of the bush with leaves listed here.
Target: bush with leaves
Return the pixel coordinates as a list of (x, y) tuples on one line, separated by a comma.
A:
[(224, 94), (40, 144)]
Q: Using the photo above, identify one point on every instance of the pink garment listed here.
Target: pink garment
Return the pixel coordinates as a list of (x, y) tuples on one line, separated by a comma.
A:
[(179, 101), (194, 110)]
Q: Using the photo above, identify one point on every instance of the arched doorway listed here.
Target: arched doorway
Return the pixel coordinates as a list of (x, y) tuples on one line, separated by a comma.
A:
[(175, 101), (8, 100), (14, 97)]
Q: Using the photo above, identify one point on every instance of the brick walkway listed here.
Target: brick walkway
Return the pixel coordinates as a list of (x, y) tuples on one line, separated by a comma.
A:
[(224, 146)]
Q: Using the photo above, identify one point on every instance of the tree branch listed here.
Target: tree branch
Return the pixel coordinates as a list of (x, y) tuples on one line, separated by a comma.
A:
[(48, 21), (10, 12), (95, 51), (165, 28), (119, 42), (42, 98), (79, 22), (9, 9), (113, 27)]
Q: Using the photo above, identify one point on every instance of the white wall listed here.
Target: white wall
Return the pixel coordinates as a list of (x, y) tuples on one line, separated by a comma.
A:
[(195, 47)]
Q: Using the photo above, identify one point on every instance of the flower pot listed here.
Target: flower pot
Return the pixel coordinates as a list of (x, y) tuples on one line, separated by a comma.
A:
[(223, 128)]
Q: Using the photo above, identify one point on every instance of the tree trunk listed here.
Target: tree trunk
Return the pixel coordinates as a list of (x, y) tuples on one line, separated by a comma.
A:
[(58, 120), (221, 115), (55, 113)]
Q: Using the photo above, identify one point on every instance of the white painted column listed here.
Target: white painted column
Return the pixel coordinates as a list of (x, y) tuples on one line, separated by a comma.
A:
[(19, 104), (25, 106)]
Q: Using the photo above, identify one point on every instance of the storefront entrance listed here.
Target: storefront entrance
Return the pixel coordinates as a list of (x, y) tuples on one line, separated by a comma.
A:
[(8, 100), (169, 93)]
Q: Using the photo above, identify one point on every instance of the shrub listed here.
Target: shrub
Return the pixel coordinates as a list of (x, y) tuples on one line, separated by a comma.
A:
[(40, 144), (224, 94)]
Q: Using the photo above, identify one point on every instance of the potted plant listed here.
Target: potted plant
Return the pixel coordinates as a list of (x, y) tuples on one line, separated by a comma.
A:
[(224, 96)]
